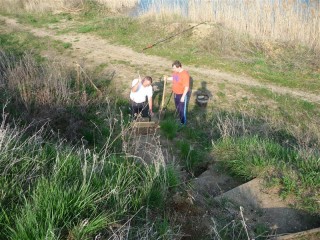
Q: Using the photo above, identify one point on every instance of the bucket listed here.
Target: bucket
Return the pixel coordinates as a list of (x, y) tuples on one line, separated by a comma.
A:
[(202, 100)]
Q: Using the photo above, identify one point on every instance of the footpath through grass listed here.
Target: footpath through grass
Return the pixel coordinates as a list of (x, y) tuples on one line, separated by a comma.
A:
[(210, 45)]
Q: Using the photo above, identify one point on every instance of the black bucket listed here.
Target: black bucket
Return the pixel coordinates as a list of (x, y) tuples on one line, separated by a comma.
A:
[(202, 100)]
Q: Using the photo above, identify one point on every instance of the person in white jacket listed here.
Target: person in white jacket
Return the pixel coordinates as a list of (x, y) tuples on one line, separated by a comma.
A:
[(141, 97)]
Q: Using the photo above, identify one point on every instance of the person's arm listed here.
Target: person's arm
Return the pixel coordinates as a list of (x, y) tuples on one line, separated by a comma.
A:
[(186, 83), (149, 96), (150, 105), (185, 91), (166, 78), (135, 87)]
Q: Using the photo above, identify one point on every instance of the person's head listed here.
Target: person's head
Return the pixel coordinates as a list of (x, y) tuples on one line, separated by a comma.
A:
[(146, 81), (176, 66)]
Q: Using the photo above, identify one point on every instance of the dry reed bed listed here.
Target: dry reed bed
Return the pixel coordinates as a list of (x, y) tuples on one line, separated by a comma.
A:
[(264, 19), (118, 4), (45, 85), (60, 5)]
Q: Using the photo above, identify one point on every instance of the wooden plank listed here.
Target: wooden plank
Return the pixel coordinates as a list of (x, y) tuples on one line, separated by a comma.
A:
[(143, 124)]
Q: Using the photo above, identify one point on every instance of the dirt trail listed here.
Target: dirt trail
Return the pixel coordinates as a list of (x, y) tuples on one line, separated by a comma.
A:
[(98, 50)]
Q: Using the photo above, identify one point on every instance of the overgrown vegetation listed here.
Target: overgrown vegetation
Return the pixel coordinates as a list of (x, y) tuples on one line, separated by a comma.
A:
[(65, 174), (53, 190), (74, 142)]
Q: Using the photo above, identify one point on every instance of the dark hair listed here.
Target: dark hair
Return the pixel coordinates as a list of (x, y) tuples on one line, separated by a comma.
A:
[(176, 63), (148, 78)]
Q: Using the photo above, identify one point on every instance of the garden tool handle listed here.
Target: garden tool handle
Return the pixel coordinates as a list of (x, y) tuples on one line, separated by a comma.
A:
[(164, 91)]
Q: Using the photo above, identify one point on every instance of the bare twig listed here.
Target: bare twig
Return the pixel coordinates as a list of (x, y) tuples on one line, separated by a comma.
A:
[(244, 222), (90, 80)]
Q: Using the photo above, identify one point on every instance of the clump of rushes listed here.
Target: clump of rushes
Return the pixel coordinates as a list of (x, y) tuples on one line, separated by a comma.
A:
[(193, 159), (169, 127), (52, 190)]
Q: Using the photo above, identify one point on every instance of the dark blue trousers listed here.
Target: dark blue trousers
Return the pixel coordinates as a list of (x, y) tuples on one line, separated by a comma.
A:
[(181, 107), (140, 108)]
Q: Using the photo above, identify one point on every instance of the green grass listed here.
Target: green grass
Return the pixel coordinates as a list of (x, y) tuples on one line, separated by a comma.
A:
[(169, 128), (66, 45), (193, 159), (19, 42), (55, 191), (43, 20), (86, 29), (289, 109), (55, 208), (172, 177)]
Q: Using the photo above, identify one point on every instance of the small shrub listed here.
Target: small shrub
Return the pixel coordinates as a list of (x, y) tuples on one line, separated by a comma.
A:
[(67, 45), (172, 177), (86, 29)]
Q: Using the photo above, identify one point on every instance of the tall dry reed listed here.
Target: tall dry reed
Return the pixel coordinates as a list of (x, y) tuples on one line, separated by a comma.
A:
[(45, 85), (11, 6), (41, 6), (118, 4), (264, 19)]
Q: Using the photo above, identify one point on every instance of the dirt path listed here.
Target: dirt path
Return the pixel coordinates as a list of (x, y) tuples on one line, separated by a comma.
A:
[(97, 51)]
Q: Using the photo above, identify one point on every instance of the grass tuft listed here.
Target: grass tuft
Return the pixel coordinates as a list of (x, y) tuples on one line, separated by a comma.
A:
[(169, 127)]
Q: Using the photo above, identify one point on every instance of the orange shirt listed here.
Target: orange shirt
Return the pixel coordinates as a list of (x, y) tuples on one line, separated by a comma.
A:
[(180, 81)]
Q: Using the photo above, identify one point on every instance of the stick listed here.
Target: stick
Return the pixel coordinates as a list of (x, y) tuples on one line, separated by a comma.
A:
[(163, 94), (244, 222), (167, 38), (90, 80), (78, 77)]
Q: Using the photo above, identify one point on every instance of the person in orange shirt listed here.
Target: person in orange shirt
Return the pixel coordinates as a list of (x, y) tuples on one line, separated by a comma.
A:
[(180, 86)]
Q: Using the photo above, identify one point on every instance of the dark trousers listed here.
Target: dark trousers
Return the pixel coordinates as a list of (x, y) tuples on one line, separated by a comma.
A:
[(141, 109), (181, 107)]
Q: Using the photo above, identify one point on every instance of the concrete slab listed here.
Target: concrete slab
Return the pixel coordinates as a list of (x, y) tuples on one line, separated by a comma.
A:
[(261, 205), (212, 183), (312, 234)]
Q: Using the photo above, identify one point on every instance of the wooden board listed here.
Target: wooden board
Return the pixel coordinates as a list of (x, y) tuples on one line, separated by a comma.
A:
[(143, 124)]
